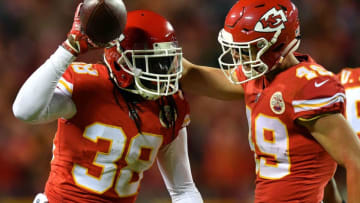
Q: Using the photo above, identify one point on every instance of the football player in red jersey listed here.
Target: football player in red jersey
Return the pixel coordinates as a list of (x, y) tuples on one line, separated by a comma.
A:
[(294, 106), (116, 118), (350, 79)]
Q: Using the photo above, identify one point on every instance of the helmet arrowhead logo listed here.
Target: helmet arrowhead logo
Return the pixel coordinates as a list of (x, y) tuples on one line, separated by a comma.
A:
[(271, 21)]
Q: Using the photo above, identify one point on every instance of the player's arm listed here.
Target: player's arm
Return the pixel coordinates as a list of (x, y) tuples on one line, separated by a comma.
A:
[(37, 101), (334, 133), (332, 194), (174, 165), (208, 81)]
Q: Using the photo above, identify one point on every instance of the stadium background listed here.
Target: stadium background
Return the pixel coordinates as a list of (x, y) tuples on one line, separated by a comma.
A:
[(222, 165)]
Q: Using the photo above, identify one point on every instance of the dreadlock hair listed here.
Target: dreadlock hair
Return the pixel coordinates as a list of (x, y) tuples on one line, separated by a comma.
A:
[(169, 121), (131, 99), (130, 102)]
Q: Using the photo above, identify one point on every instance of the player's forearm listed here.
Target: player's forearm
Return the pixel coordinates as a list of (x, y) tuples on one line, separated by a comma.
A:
[(192, 195), (33, 99), (208, 81), (174, 165), (353, 188), (334, 133), (353, 183)]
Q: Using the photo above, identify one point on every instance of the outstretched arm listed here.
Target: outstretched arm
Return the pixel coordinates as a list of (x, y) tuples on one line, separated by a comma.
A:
[(208, 81), (174, 165), (37, 101), (334, 133)]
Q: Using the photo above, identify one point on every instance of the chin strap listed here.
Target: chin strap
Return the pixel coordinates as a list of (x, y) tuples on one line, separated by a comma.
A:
[(143, 93)]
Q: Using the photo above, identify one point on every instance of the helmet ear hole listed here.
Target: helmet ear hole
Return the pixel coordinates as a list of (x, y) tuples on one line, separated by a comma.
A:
[(117, 67)]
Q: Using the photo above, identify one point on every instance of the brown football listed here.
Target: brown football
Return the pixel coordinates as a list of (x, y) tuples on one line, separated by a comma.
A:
[(103, 20)]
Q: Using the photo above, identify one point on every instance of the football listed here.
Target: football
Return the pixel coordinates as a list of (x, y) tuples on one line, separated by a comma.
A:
[(103, 20)]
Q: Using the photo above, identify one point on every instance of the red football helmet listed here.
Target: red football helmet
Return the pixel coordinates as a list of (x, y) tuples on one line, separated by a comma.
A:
[(146, 59), (257, 35)]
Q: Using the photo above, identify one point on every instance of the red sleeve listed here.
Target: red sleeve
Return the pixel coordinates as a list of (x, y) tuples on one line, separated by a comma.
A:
[(323, 94), (68, 74), (183, 109), (80, 72), (66, 82)]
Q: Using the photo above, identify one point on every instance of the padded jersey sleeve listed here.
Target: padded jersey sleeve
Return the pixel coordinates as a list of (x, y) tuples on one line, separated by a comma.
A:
[(182, 118), (183, 109), (317, 96), (66, 83), (186, 120)]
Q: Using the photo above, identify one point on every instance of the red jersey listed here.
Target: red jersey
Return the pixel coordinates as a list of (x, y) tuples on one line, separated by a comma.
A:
[(350, 78), (99, 154), (291, 166)]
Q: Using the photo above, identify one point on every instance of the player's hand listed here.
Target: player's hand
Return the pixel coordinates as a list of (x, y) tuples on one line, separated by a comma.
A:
[(187, 65), (77, 41)]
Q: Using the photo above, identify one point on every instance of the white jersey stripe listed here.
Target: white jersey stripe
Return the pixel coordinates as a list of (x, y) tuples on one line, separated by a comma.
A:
[(65, 86), (314, 104)]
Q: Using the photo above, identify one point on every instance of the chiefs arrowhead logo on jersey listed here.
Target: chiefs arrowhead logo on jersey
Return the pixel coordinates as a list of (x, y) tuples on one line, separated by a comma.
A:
[(271, 21), (277, 103)]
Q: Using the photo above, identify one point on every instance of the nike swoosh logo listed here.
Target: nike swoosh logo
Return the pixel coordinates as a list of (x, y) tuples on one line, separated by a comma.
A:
[(321, 84)]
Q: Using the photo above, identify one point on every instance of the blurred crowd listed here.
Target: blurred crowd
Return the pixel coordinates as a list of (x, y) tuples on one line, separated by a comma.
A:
[(221, 161)]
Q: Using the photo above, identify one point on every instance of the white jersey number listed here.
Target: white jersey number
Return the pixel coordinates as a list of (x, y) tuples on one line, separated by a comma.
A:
[(136, 163), (83, 68), (312, 72), (272, 142)]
